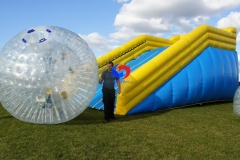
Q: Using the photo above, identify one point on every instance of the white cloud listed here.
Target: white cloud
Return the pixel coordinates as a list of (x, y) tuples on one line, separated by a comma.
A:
[(238, 38), (123, 34), (221, 5), (159, 17), (201, 19), (142, 24), (184, 25), (231, 20), (98, 42)]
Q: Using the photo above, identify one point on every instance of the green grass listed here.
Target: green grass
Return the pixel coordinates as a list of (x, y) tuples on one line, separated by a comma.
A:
[(210, 131)]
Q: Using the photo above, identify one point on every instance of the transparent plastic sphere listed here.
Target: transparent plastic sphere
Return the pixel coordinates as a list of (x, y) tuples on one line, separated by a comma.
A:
[(236, 102), (48, 75)]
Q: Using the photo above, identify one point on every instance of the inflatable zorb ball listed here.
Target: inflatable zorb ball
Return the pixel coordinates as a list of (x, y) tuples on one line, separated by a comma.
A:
[(48, 75), (236, 102)]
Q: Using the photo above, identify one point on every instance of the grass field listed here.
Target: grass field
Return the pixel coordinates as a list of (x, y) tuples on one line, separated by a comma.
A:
[(210, 131)]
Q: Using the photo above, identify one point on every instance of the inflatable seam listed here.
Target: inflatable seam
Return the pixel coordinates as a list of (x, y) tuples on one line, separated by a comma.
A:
[(202, 80), (214, 71), (171, 92), (188, 86), (222, 64)]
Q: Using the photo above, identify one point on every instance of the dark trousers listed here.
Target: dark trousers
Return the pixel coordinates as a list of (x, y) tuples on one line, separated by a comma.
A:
[(108, 101)]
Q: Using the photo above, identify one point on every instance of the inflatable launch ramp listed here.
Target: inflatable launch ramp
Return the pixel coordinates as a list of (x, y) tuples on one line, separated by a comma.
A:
[(198, 67)]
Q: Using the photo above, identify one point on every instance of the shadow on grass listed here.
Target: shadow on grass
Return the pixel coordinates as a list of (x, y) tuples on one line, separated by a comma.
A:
[(6, 117), (93, 116), (204, 104)]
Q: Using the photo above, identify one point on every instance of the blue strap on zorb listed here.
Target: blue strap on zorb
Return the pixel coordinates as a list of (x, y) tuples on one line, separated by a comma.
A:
[(31, 30), (41, 40)]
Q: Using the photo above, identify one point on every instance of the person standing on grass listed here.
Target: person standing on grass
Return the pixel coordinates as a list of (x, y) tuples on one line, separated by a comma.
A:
[(108, 91)]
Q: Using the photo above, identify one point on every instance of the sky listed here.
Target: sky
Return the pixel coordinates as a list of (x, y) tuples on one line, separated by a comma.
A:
[(107, 24)]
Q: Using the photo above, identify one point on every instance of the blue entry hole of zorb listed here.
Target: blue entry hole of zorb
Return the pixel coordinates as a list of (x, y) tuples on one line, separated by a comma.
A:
[(48, 75)]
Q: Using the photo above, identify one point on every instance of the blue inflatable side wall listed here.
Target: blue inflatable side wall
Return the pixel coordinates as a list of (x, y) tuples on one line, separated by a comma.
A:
[(212, 76)]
